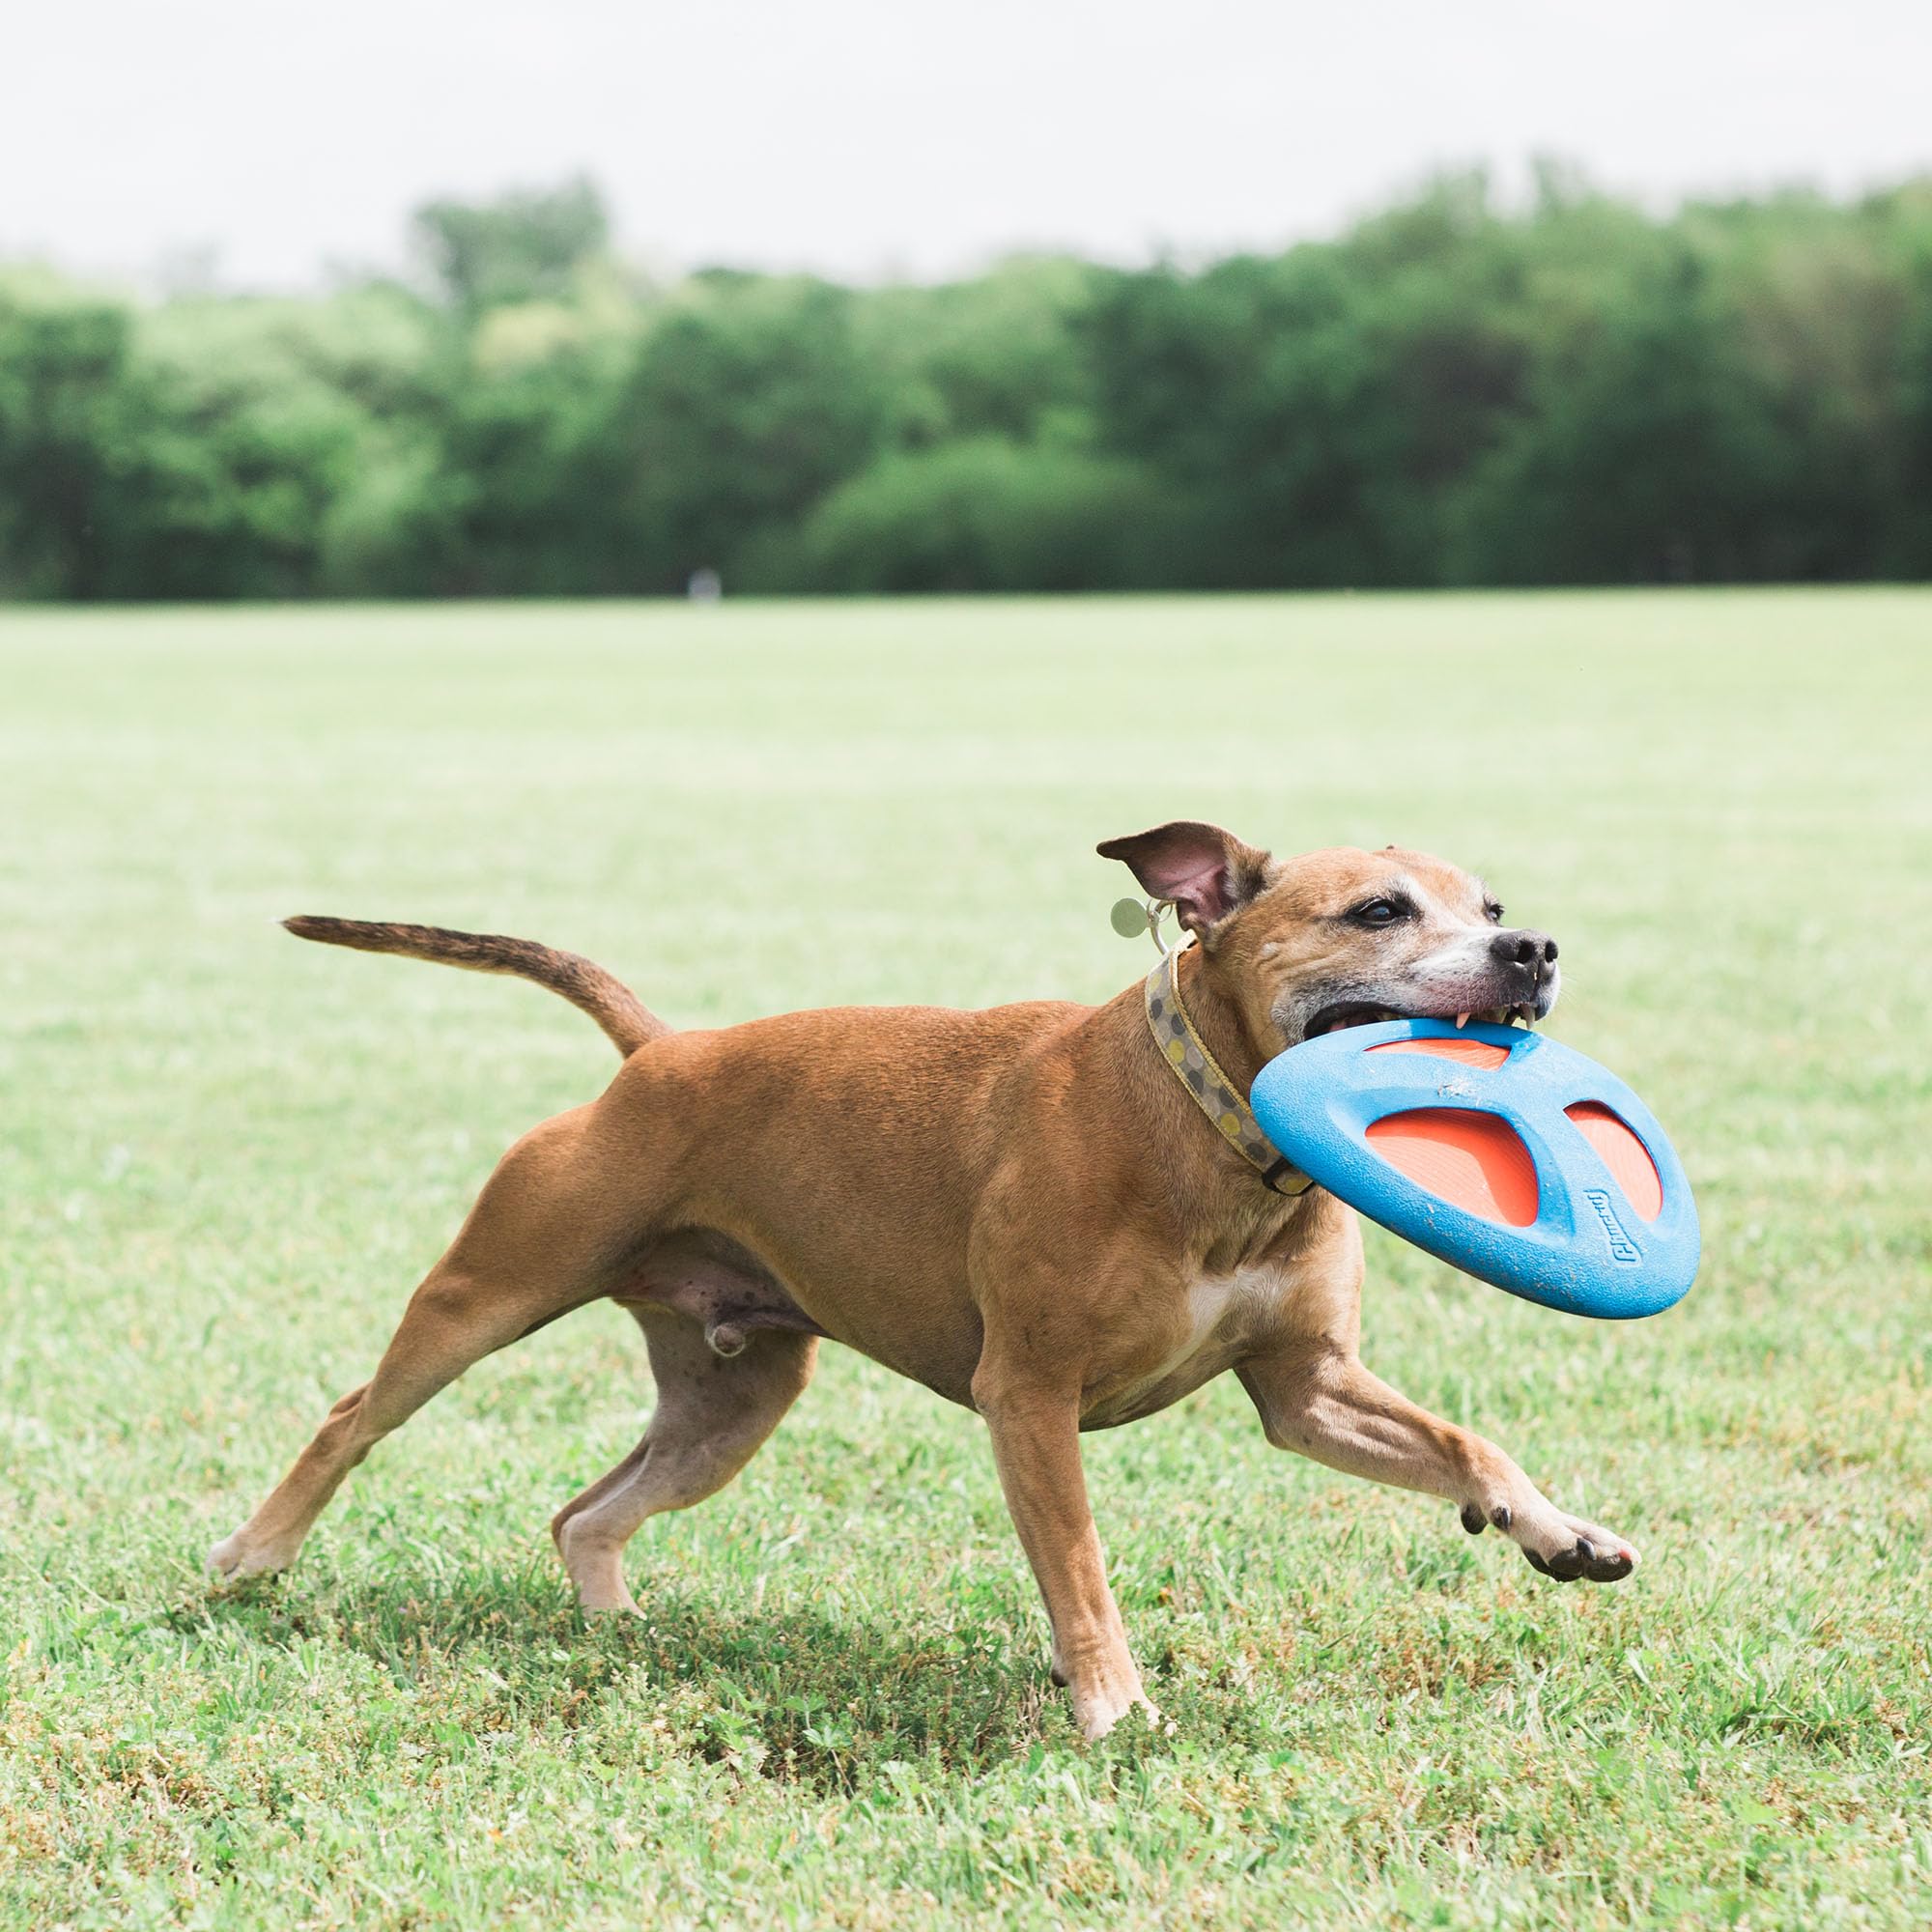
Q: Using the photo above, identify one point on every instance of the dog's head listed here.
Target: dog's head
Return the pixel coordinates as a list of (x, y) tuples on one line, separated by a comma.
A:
[(1343, 937)]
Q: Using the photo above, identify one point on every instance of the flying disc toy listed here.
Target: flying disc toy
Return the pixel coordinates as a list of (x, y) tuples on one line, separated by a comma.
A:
[(1510, 1156)]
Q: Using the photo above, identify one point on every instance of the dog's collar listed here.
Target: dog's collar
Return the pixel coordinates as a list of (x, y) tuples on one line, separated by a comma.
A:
[(1197, 1069)]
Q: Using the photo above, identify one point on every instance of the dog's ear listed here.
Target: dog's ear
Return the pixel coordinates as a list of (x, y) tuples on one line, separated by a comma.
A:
[(1207, 872)]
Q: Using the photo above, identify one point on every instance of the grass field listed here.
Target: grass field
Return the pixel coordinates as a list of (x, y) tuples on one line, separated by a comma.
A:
[(225, 1158)]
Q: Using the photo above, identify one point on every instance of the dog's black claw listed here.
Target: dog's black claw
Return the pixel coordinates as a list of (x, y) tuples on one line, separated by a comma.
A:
[(1567, 1565), (1473, 1520), (1500, 1516)]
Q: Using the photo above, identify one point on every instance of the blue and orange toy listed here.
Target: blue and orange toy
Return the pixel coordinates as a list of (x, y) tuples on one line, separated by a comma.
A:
[(1511, 1156)]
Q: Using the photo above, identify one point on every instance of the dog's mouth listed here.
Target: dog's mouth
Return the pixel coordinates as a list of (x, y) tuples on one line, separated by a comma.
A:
[(1341, 1015)]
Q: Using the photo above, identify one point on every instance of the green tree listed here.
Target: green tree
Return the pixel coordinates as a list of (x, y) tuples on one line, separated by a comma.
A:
[(530, 440), (521, 247), (749, 400), (981, 514), (1449, 391), (997, 355), (1648, 449), (68, 409), (273, 432), (1905, 525)]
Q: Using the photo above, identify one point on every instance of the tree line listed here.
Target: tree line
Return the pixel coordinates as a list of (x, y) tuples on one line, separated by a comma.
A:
[(1451, 392)]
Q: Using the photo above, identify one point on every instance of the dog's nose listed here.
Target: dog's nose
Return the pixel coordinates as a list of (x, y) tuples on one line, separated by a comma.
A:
[(1534, 953)]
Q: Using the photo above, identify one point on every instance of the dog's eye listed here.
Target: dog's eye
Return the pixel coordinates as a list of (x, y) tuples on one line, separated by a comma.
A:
[(1382, 912), (1494, 913)]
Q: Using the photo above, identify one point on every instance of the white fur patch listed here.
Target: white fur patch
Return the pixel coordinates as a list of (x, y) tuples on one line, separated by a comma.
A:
[(1215, 1307)]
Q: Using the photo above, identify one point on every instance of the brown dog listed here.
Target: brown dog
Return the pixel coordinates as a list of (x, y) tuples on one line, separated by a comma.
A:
[(1025, 1210)]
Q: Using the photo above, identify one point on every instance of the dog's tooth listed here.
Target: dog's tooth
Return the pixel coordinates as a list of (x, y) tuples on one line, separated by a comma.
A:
[(1462, 1020)]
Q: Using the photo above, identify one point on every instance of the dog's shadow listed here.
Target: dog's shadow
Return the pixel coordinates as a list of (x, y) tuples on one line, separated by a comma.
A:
[(794, 1690)]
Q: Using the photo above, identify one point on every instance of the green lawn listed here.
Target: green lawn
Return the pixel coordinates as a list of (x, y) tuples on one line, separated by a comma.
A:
[(225, 1159)]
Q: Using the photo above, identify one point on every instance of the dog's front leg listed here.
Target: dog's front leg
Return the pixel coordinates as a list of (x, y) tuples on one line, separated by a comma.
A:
[(1320, 1401), (1035, 1433)]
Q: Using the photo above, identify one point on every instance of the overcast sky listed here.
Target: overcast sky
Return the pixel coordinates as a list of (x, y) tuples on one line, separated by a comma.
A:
[(870, 138)]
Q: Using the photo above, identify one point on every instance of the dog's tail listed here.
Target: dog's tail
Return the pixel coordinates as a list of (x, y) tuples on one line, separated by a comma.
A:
[(611, 1003)]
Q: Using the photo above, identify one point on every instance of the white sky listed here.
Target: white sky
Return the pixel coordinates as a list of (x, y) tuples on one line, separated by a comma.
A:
[(870, 138)]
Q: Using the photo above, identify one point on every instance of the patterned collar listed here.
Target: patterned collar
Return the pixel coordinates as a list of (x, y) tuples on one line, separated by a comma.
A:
[(1197, 1069)]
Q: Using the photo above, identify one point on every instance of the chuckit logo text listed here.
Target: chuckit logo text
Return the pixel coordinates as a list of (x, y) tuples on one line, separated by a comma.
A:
[(1622, 1248)]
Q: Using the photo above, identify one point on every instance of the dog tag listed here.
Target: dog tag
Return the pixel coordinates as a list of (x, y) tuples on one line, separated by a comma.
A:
[(1130, 918), (1510, 1156)]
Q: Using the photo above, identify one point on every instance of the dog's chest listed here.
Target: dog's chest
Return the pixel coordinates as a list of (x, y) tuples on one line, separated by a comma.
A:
[(1223, 1310), (1222, 1313)]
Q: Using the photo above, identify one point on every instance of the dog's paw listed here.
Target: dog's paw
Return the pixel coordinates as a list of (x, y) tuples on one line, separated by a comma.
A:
[(1587, 1560), (595, 1566), (1100, 1721), (617, 1605), (1571, 1550), (240, 1555), (1564, 1548), (1104, 1696)]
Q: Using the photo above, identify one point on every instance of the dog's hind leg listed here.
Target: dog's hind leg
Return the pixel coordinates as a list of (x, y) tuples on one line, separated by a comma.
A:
[(713, 1413), (538, 1242)]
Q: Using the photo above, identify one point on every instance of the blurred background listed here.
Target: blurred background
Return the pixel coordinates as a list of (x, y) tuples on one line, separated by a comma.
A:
[(412, 301), (416, 302)]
